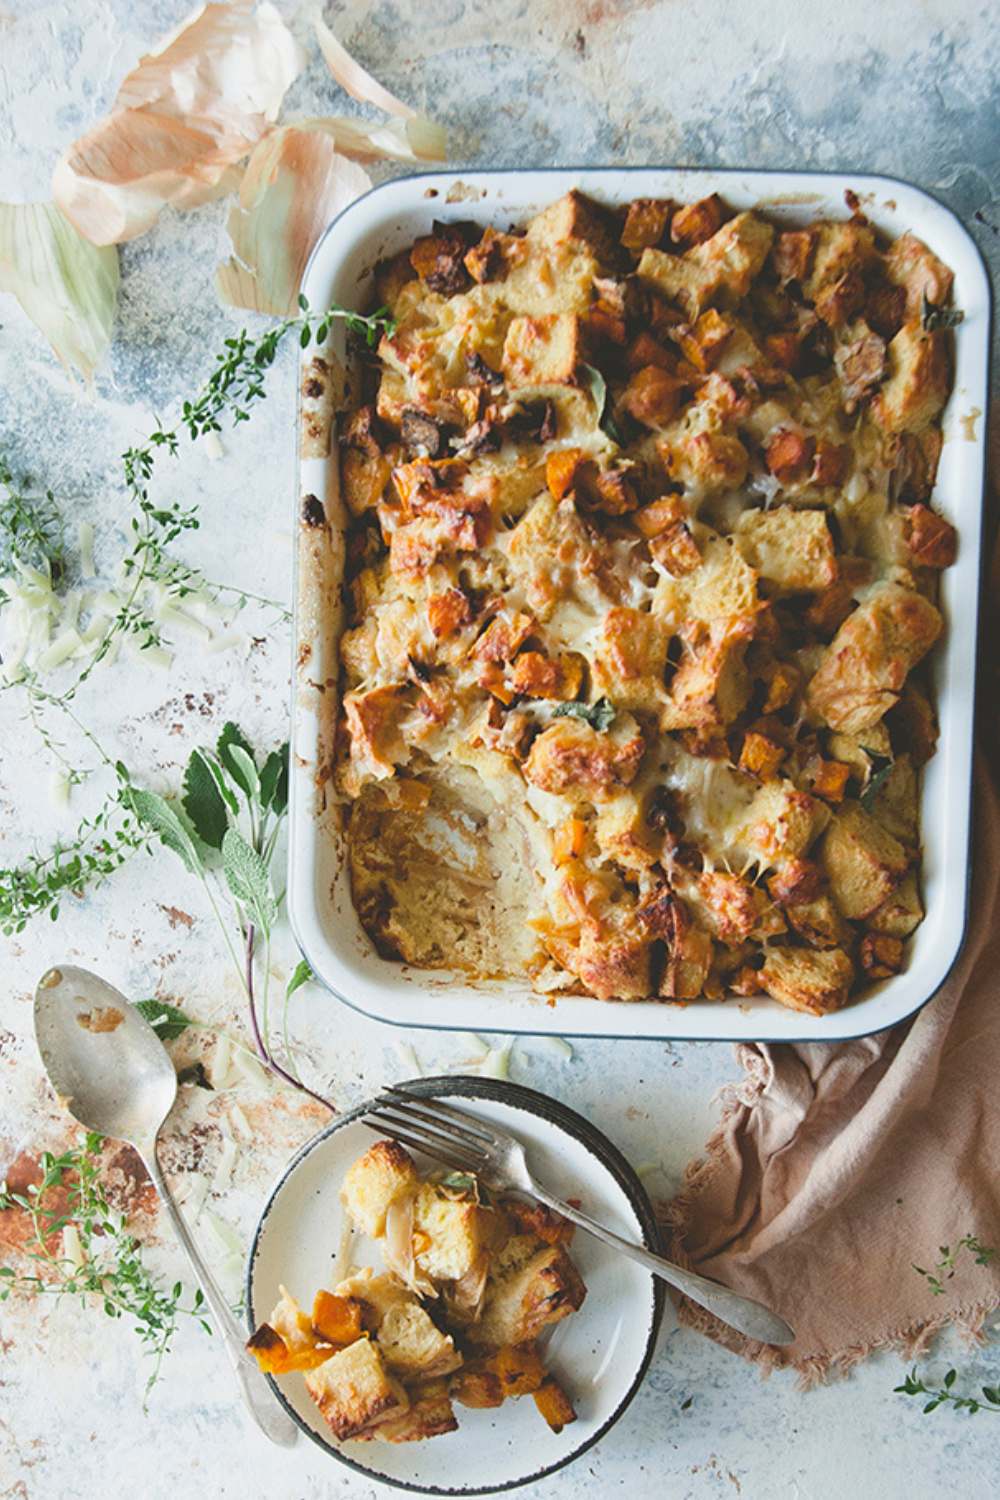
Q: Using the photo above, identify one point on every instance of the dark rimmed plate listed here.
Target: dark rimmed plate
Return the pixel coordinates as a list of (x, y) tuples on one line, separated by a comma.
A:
[(601, 1353)]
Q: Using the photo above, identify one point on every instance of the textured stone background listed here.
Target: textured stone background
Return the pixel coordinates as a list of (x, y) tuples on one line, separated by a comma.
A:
[(906, 87)]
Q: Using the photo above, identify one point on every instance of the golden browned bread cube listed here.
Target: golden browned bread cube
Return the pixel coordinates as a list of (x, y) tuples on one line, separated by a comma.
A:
[(819, 922), (412, 1344), (542, 351), (689, 958), (723, 587), (374, 1182), (373, 724), (354, 1390), (408, 1338), (630, 657), (917, 384), (864, 668), (711, 685), (781, 822), (840, 248), (894, 802), (862, 860), (449, 1233), (791, 548), (736, 252), (364, 469), (804, 979), (571, 757), (911, 265), (431, 1414), (477, 1387), (528, 1288), (704, 457), (575, 220), (677, 278), (902, 912), (880, 956)]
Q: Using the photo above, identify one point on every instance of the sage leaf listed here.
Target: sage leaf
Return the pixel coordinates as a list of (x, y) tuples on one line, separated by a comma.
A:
[(222, 782), (599, 715), (170, 823), (249, 779), (871, 791), (166, 1020), (274, 781), (301, 975), (248, 880), (232, 735), (203, 801), (933, 317), (598, 388)]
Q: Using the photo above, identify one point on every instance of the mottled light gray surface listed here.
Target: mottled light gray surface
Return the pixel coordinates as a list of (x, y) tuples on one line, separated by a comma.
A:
[(905, 87)]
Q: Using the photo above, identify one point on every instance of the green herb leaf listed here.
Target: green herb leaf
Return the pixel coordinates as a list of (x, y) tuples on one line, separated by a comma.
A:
[(169, 822), (222, 782), (248, 772), (232, 735), (460, 1185), (933, 316), (203, 801), (598, 388), (274, 781), (248, 879), (877, 780), (166, 1020), (600, 715), (301, 975)]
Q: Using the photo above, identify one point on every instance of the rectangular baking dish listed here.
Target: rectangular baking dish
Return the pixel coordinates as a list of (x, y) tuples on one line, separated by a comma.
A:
[(319, 898)]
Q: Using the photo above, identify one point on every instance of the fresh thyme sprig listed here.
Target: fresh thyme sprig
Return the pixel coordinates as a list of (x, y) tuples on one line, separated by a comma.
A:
[(82, 1247), (946, 1266), (944, 1269), (234, 387), (31, 530), (100, 845), (945, 1394)]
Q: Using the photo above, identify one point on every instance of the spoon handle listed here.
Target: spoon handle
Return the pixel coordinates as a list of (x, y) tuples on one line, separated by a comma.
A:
[(257, 1394)]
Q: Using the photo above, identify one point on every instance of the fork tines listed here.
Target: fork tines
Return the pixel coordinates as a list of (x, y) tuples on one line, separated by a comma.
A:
[(449, 1136)]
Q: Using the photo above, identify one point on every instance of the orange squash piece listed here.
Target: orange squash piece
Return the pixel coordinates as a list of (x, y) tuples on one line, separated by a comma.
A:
[(275, 1358), (554, 1404), (519, 1368), (336, 1319)]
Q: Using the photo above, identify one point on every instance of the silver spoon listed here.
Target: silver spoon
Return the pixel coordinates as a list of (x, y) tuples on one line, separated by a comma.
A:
[(113, 1074)]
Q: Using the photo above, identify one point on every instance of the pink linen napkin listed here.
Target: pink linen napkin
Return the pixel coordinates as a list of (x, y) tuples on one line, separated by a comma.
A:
[(835, 1167)]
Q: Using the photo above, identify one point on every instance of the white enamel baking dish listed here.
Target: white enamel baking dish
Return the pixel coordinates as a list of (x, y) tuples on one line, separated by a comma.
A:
[(319, 899)]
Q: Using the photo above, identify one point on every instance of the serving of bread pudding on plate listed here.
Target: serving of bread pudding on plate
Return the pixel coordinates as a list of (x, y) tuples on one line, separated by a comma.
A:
[(468, 1286), (642, 578)]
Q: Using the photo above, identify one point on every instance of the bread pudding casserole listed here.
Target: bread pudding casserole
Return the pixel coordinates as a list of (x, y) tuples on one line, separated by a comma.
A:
[(641, 583), (469, 1285)]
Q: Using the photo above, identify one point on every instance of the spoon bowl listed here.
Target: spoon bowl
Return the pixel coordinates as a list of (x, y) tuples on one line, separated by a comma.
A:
[(113, 1074), (104, 1060)]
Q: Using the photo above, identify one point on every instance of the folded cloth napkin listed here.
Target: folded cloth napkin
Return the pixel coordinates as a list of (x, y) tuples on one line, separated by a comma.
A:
[(837, 1166)]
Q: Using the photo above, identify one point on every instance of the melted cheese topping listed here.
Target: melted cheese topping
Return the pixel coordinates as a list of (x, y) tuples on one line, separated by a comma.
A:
[(639, 557)]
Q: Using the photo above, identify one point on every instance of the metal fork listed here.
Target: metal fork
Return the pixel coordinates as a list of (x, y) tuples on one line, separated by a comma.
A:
[(467, 1143)]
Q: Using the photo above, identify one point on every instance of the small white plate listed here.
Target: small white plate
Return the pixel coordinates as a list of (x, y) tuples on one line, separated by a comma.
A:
[(600, 1353)]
